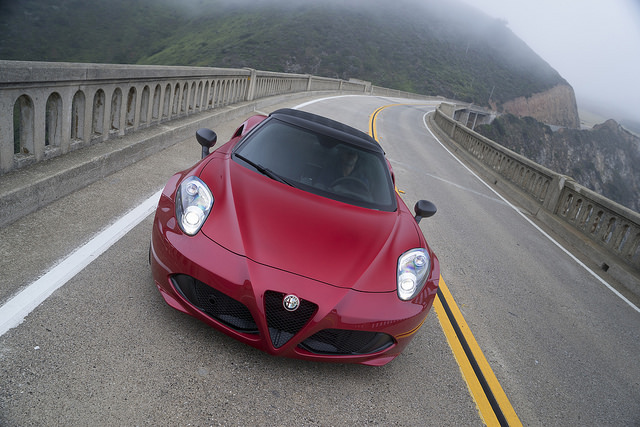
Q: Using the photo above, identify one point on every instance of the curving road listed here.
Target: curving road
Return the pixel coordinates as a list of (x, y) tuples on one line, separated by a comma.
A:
[(105, 349)]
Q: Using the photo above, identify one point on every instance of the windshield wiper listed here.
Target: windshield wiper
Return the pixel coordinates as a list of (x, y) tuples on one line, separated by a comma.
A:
[(265, 171)]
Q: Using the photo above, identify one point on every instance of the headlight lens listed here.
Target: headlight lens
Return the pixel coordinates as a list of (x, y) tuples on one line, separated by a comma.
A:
[(413, 271), (193, 204)]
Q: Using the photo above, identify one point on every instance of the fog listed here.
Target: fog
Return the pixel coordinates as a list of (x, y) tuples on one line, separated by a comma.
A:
[(593, 44)]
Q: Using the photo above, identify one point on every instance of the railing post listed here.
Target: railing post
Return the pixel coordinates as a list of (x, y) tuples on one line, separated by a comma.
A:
[(251, 90), (39, 120), (6, 131), (67, 101), (554, 192)]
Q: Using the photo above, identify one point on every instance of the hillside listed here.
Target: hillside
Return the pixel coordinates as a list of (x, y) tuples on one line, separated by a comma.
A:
[(438, 48), (605, 159)]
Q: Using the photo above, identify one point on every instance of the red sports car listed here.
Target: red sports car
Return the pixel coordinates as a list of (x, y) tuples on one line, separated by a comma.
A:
[(291, 238)]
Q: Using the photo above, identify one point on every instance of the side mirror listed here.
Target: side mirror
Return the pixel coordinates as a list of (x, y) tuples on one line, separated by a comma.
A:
[(424, 209), (207, 139)]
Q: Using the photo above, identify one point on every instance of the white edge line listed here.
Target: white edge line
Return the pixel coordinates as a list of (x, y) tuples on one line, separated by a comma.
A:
[(297, 107), (14, 311), (580, 263)]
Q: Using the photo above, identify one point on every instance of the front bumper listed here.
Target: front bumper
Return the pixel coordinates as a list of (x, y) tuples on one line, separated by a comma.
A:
[(244, 299)]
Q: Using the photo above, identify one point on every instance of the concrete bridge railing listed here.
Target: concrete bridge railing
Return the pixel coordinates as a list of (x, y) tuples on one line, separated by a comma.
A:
[(62, 112), (592, 220), (49, 109)]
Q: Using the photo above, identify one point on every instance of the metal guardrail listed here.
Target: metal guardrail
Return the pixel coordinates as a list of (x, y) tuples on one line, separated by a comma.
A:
[(607, 224)]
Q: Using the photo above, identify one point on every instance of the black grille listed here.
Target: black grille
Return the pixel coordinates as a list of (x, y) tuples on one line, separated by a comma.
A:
[(214, 303), (283, 324), (346, 342)]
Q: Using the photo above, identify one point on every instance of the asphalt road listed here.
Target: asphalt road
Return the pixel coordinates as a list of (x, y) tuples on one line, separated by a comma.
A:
[(105, 349)]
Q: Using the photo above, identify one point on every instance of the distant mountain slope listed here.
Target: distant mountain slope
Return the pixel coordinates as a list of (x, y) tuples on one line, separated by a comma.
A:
[(439, 47), (103, 31)]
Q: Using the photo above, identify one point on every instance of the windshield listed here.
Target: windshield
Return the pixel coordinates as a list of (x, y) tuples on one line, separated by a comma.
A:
[(319, 164)]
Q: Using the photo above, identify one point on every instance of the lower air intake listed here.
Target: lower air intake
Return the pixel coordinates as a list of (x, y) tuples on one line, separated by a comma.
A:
[(283, 324), (216, 304), (347, 342)]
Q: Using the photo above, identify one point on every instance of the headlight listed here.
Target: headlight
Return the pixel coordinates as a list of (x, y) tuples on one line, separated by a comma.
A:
[(193, 204), (413, 271)]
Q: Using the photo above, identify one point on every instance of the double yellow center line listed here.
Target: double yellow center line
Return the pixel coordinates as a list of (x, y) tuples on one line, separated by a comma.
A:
[(492, 402)]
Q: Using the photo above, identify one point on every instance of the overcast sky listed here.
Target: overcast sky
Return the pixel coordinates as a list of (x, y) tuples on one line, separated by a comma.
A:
[(593, 44)]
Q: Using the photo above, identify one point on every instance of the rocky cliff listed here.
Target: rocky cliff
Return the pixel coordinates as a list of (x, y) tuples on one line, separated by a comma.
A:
[(605, 159), (556, 106)]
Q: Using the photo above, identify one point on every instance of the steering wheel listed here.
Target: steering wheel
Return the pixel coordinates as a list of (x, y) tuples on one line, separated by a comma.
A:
[(352, 184)]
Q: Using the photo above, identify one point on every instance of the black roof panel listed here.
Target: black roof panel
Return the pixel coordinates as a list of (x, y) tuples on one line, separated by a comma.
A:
[(327, 126)]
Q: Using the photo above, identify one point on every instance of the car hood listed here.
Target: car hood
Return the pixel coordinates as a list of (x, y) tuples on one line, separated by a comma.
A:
[(312, 236)]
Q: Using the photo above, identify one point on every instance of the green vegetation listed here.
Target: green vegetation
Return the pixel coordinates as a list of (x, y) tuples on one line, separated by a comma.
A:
[(448, 50)]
